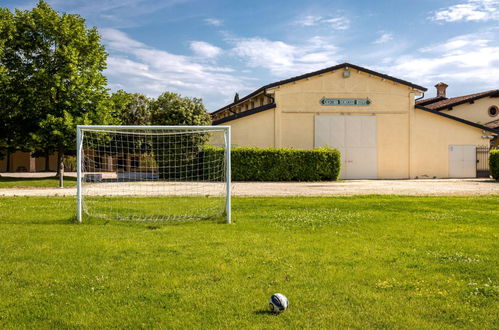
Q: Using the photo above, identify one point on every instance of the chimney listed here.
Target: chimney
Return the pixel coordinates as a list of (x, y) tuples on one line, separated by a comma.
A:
[(441, 87)]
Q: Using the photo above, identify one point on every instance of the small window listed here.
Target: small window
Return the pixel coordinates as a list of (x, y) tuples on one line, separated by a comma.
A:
[(121, 163), (493, 111), (97, 162), (134, 162)]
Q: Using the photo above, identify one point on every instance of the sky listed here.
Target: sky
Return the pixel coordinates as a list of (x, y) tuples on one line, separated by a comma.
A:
[(213, 49)]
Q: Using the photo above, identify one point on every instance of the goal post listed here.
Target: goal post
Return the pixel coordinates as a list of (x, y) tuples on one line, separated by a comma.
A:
[(153, 173)]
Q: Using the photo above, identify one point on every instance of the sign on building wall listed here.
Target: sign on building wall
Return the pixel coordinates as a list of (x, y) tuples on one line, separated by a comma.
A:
[(326, 101)]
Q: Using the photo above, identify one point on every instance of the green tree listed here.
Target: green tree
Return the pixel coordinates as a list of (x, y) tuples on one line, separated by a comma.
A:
[(178, 151), (131, 108), (236, 97), (173, 109), (55, 65)]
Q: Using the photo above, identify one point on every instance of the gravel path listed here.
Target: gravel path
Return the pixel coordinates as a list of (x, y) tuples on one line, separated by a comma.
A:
[(435, 187)]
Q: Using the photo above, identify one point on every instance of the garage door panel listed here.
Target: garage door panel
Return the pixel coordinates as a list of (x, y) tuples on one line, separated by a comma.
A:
[(368, 132), (361, 163), (322, 128), (355, 138), (462, 161), (337, 131)]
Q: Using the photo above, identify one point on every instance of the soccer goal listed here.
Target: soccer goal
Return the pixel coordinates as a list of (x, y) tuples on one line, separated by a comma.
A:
[(153, 173)]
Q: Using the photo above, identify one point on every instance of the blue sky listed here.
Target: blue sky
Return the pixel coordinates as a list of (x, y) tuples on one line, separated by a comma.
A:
[(211, 49)]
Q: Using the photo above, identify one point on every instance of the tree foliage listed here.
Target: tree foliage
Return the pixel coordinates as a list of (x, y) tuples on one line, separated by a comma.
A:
[(131, 108), (53, 65), (173, 109)]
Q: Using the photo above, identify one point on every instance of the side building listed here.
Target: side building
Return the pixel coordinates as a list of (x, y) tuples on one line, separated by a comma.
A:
[(370, 117)]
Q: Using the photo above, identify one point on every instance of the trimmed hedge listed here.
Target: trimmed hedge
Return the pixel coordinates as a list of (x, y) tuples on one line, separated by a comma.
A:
[(255, 164), (276, 164), (494, 164)]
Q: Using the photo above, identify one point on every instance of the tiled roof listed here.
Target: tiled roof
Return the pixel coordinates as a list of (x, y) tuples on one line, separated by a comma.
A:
[(453, 101), (430, 100), (493, 124)]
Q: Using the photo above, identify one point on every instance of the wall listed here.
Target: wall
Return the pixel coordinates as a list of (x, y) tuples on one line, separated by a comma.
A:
[(298, 103), (256, 130), (432, 136), (476, 112)]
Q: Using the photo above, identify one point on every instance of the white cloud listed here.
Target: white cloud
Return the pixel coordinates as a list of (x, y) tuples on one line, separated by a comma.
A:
[(384, 38), (205, 49), (336, 23), (471, 10), (152, 71), (213, 21), (284, 59), (462, 60)]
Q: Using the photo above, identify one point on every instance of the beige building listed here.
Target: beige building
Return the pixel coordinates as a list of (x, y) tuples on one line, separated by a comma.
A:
[(481, 108), (372, 118)]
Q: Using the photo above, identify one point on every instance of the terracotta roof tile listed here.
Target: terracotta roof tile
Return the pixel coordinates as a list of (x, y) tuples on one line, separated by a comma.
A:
[(453, 101), (430, 100)]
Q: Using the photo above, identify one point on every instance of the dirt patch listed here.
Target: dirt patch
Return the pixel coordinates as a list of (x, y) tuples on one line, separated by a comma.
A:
[(427, 187)]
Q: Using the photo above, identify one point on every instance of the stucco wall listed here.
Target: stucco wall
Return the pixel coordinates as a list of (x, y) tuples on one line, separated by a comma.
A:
[(476, 112), (298, 104), (432, 136), (256, 130)]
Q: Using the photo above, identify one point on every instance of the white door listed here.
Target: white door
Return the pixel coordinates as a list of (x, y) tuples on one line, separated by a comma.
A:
[(462, 161), (355, 138)]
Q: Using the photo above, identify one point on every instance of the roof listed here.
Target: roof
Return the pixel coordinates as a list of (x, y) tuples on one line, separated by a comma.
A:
[(464, 121), (430, 100), (445, 103), (493, 124), (326, 70)]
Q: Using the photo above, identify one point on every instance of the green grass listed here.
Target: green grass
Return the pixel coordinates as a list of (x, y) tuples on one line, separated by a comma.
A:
[(358, 262), (47, 182)]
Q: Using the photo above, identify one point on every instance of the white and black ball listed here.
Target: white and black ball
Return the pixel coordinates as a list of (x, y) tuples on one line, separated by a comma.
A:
[(278, 303)]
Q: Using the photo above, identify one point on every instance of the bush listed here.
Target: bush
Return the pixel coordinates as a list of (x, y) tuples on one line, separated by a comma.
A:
[(276, 164), (494, 163)]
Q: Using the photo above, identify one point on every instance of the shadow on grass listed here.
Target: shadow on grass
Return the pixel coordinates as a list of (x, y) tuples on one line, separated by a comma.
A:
[(264, 312)]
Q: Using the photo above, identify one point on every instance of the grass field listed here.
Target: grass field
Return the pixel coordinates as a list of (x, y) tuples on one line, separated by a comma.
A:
[(13, 182), (359, 262)]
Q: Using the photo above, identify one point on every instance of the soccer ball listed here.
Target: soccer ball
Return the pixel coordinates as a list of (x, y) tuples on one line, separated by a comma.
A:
[(278, 303)]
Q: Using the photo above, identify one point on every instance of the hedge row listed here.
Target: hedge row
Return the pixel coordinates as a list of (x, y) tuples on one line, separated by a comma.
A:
[(276, 164), (494, 164)]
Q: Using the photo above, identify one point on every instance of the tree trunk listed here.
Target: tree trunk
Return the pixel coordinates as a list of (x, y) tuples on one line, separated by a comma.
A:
[(47, 160), (60, 166)]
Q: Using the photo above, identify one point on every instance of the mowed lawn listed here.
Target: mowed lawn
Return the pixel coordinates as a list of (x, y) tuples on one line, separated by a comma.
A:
[(45, 182), (359, 262)]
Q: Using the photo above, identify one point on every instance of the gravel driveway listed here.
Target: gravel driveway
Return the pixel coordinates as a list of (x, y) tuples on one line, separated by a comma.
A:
[(435, 187)]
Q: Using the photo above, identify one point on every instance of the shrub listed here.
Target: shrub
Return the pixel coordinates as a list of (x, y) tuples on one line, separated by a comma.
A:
[(279, 164), (494, 163)]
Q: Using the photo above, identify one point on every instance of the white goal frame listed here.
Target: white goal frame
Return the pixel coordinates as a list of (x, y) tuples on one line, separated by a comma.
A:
[(80, 130)]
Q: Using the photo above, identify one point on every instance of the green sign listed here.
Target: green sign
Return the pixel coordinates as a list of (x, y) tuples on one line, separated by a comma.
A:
[(326, 101)]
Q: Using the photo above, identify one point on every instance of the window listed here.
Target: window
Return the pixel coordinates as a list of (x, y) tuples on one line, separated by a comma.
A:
[(97, 162), (121, 163), (493, 111), (134, 162)]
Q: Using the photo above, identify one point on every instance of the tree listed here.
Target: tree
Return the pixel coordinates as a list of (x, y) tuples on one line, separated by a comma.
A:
[(173, 109), (131, 108), (236, 97), (54, 64)]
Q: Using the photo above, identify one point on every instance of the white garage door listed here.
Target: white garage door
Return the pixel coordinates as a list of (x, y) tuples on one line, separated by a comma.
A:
[(355, 138), (462, 161)]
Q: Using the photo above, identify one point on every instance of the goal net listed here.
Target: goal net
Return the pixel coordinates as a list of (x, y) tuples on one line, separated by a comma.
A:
[(153, 173)]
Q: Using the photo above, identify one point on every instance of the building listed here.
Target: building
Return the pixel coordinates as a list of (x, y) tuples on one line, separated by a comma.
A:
[(481, 108), (372, 118)]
